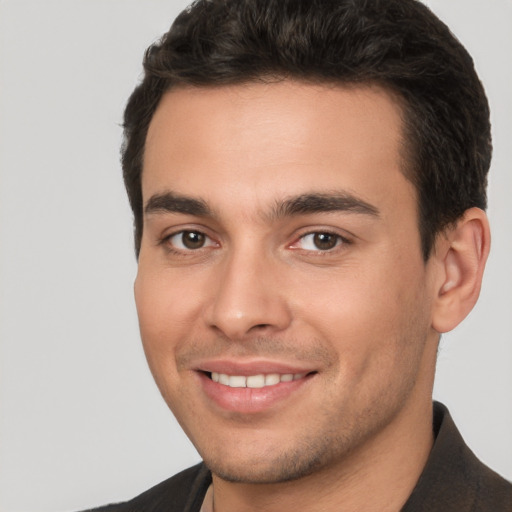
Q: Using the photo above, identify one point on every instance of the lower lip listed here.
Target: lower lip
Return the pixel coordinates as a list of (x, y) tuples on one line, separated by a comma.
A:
[(250, 400)]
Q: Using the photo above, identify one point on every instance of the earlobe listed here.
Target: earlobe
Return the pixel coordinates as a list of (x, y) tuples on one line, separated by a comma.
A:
[(461, 253)]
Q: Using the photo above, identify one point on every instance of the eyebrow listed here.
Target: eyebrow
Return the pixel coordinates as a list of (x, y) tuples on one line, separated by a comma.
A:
[(303, 204), (323, 202), (169, 202)]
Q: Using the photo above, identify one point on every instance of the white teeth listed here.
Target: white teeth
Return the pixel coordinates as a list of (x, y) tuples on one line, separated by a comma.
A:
[(224, 379), (254, 381), (237, 381), (271, 379)]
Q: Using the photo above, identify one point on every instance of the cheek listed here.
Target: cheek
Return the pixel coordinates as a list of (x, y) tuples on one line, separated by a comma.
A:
[(167, 302), (162, 329), (349, 302), (157, 310), (375, 320)]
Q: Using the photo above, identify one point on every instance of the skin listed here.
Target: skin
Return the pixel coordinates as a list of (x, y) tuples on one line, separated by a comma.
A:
[(230, 165)]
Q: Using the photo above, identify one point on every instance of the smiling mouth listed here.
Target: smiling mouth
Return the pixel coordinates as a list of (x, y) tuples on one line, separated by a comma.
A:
[(254, 381)]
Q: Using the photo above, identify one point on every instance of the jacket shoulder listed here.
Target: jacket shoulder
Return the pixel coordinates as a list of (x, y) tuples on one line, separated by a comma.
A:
[(182, 492), (493, 492), (454, 479)]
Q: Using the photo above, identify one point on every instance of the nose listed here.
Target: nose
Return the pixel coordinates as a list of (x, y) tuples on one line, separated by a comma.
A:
[(249, 298)]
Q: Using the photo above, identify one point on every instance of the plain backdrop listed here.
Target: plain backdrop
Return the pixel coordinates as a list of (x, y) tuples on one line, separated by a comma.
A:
[(81, 421)]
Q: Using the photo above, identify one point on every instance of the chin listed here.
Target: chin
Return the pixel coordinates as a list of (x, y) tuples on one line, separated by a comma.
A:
[(270, 469)]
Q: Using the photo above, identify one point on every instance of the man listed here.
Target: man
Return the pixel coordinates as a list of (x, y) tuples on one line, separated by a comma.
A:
[(308, 186)]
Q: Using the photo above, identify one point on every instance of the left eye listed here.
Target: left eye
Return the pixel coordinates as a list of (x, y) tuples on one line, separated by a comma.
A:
[(320, 241), (190, 240)]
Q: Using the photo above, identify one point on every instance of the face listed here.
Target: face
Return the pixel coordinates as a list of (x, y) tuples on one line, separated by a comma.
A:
[(284, 305)]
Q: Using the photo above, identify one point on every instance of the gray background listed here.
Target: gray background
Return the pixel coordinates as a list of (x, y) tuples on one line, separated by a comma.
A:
[(81, 421)]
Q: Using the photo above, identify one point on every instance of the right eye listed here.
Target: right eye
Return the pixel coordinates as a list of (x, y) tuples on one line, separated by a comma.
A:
[(190, 240)]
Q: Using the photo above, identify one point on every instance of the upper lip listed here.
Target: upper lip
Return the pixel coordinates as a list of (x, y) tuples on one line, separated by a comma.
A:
[(251, 367)]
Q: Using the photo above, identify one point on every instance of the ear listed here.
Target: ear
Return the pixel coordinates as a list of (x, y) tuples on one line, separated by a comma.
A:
[(460, 253)]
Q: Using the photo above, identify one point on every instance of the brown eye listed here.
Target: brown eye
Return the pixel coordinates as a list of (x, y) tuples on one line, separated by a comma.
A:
[(325, 241), (319, 241), (192, 239)]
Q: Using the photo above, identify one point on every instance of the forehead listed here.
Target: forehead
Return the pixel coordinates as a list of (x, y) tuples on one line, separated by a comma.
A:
[(283, 136)]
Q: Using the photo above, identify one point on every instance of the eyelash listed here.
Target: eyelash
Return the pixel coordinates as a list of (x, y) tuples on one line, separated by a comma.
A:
[(184, 251)]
